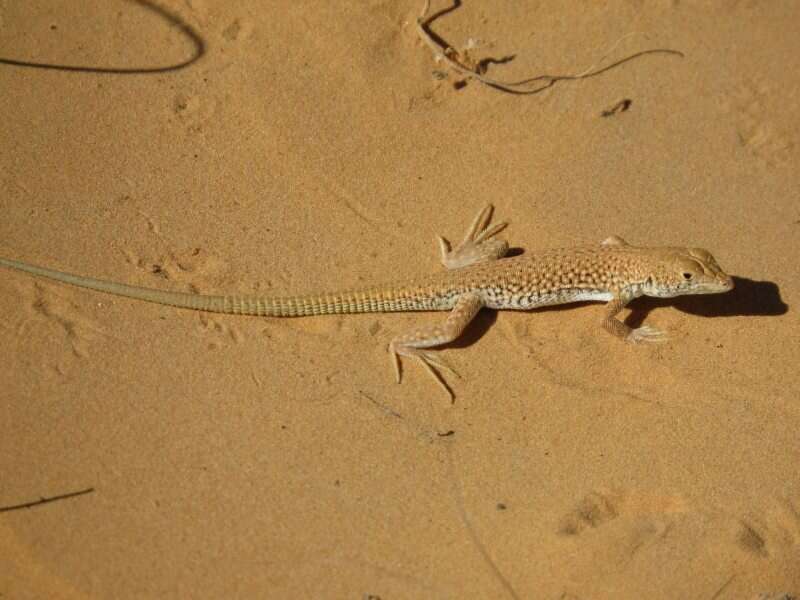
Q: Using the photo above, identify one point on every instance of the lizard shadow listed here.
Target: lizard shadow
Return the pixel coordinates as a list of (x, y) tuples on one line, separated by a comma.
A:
[(748, 298)]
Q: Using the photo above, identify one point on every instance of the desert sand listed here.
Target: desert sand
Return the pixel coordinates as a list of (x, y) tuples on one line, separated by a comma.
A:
[(271, 148)]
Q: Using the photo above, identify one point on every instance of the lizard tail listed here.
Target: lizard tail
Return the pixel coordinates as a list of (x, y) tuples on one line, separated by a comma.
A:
[(358, 301)]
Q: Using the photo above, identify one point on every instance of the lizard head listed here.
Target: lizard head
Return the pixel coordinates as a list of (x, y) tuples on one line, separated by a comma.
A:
[(682, 271)]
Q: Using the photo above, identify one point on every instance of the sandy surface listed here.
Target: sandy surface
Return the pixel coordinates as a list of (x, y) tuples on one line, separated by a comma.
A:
[(320, 146)]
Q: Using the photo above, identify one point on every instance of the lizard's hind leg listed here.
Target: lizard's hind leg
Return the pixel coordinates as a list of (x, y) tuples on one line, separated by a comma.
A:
[(412, 344), (478, 245)]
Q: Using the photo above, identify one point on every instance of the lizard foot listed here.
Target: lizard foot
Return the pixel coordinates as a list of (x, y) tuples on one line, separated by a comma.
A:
[(646, 334), (478, 245), (432, 363)]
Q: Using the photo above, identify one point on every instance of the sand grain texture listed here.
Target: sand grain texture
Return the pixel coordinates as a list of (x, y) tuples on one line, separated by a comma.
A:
[(315, 146)]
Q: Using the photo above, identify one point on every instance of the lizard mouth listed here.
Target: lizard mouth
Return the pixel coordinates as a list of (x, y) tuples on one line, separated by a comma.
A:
[(717, 286), (724, 283)]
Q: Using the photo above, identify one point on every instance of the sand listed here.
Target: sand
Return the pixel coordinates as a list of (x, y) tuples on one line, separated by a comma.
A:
[(319, 145)]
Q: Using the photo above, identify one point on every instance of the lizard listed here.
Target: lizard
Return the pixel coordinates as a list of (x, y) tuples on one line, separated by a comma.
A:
[(477, 274)]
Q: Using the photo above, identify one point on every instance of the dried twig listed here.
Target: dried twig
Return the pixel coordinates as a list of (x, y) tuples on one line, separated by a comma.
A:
[(43, 500), (452, 57)]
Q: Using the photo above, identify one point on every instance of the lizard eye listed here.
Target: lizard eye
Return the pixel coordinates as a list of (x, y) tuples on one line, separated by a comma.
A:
[(687, 276)]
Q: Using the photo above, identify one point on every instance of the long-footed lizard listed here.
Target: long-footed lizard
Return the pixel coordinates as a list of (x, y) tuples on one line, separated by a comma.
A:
[(477, 275)]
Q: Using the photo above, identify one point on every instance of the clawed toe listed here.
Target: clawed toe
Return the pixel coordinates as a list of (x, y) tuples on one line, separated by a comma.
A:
[(646, 334), (395, 356), (433, 364), (437, 362), (477, 245), (429, 365)]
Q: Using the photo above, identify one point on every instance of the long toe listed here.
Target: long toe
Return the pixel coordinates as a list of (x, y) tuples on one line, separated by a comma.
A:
[(647, 334)]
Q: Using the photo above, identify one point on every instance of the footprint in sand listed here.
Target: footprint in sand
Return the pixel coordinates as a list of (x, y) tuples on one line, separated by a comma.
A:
[(238, 31), (198, 272), (775, 532), (631, 520), (194, 110), (592, 511), (220, 331), (65, 316), (50, 312), (751, 539), (748, 103), (192, 267)]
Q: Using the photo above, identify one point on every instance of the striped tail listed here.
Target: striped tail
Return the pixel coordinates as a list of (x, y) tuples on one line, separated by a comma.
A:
[(358, 301)]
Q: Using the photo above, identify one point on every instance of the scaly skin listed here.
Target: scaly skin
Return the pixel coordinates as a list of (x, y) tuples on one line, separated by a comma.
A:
[(477, 275)]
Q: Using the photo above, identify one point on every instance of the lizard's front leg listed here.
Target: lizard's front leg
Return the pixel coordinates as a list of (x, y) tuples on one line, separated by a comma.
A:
[(478, 245), (412, 343), (617, 328)]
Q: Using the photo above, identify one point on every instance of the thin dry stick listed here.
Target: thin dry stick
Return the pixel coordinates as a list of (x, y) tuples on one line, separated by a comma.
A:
[(43, 500), (446, 53)]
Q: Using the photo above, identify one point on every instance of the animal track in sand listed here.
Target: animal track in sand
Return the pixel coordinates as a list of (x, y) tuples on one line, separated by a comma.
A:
[(598, 508), (192, 267), (751, 540), (221, 331), (52, 315), (66, 315), (592, 511), (772, 533), (614, 529), (748, 103), (199, 272), (194, 110), (238, 31)]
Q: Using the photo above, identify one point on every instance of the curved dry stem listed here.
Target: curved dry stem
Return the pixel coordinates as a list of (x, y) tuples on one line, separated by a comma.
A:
[(446, 53)]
